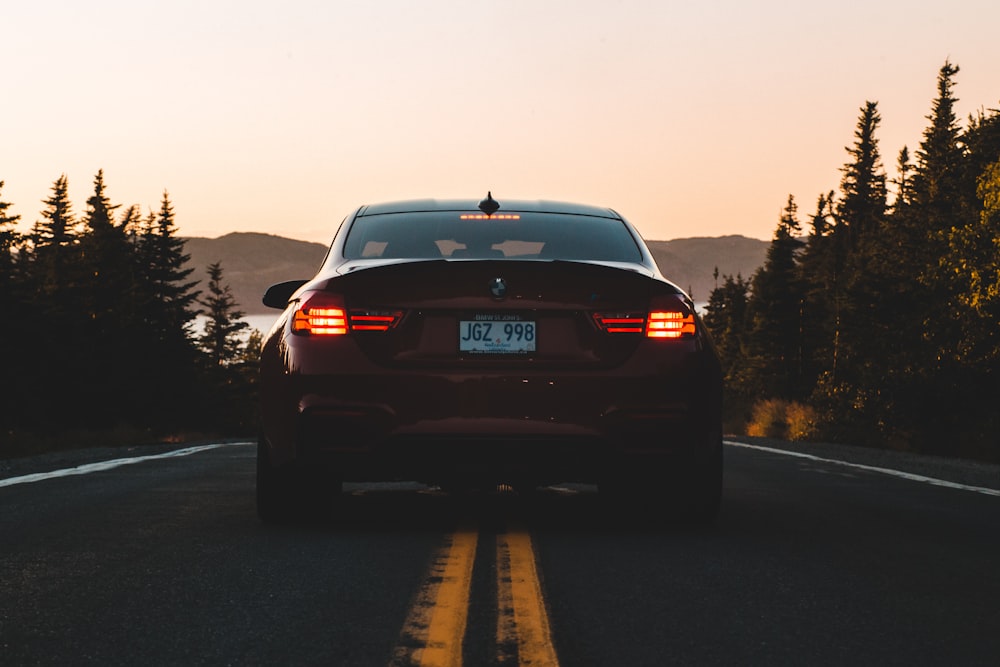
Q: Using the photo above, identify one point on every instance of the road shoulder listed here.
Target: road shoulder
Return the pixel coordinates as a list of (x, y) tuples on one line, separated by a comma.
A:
[(958, 471)]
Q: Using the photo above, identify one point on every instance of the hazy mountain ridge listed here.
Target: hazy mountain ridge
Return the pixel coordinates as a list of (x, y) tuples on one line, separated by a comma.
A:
[(253, 261), (691, 262)]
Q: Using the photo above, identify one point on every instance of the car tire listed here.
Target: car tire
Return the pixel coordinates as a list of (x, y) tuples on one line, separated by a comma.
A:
[(701, 493), (289, 494), (274, 502), (688, 494), (318, 494)]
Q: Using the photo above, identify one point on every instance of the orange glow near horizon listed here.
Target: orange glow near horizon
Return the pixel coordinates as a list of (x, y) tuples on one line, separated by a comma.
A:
[(688, 120)]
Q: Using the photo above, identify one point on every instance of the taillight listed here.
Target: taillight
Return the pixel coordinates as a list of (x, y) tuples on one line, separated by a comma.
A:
[(670, 324), (324, 314), (620, 322), (374, 320), (320, 314), (669, 317)]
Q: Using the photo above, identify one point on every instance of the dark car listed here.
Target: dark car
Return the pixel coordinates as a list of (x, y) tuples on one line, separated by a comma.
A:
[(467, 344)]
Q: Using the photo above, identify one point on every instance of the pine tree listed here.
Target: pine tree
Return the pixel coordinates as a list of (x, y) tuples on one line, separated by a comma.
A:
[(230, 373), (981, 141), (9, 241), (52, 293), (53, 239), (165, 299), (99, 216), (905, 383), (942, 197), (726, 320), (975, 252), (863, 192), (105, 259), (903, 185), (944, 201), (861, 220), (107, 332), (973, 264), (971, 270), (12, 305), (775, 346), (974, 256), (220, 340), (820, 269), (163, 252), (937, 183)]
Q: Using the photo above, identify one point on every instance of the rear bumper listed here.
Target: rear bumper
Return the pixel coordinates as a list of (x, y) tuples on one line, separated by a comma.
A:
[(533, 420), (504, 449), (538, 429)]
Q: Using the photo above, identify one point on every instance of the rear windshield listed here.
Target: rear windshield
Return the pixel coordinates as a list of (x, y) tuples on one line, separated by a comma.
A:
[(511, 236)]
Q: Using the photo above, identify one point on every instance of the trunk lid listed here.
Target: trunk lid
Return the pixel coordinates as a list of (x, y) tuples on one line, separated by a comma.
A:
[(469, 313)]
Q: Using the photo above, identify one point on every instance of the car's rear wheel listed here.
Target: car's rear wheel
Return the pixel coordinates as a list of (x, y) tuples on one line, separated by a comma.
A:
[(287, 494), (686, 492), (273, 489), (700, 493)]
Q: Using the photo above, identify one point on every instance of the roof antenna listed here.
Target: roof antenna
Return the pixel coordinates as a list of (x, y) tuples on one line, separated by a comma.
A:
[(489, 206)]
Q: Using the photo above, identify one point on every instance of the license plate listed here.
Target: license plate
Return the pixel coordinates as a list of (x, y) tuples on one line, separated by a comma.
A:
[(495, 335)]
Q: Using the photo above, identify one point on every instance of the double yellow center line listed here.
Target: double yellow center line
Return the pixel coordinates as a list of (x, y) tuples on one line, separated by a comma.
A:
[(435, 627), (521, 620)]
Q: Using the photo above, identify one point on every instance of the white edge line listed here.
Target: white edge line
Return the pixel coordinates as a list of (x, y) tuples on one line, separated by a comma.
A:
[(884, 471), (100, 466)]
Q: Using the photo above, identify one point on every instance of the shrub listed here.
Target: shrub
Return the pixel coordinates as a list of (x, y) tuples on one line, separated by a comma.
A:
[(768, 419), (785, 420), (802, 421)]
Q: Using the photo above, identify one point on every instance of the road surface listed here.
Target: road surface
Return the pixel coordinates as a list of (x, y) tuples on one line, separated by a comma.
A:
[(161, 560)]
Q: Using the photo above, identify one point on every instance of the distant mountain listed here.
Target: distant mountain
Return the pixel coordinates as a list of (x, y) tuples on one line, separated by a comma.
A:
[(691, 263), (251, 262)]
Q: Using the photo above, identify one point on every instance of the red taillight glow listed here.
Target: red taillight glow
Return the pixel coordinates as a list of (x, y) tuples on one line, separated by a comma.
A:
[(320, 314), (669, 324), (620, 322), (483, 216), (320, 321), (324, 314), (669, 317), (374, 320)]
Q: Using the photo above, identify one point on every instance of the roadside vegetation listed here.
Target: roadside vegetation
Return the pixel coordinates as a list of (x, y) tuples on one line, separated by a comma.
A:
[(99, 337), (881, 325)]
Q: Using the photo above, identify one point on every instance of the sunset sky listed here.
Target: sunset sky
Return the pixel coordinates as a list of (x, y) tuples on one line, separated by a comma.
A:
[(690, 119)]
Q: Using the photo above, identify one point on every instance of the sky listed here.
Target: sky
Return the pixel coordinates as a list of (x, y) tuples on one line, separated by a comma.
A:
[(690, 119)]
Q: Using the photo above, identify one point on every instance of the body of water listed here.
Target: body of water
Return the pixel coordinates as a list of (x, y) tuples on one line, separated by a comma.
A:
[(261, 323)]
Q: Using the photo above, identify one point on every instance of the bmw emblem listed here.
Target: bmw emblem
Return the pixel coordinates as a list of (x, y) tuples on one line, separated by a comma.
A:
[(498, 288)]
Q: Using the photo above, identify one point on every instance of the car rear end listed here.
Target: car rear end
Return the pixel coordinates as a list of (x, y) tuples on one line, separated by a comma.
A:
[(509, 352)]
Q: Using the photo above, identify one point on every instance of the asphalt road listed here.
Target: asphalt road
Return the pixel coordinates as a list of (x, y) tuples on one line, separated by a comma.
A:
[(811, 563)]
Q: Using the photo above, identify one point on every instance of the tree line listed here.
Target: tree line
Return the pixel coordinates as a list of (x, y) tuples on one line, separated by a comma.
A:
[(98, 328), (881, 324)]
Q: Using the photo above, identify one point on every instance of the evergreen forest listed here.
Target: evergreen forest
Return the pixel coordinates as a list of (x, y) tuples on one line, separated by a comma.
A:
[(98, 331), (875, 320)]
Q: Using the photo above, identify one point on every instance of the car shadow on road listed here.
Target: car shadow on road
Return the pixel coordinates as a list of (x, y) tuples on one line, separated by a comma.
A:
[(569, 509)]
